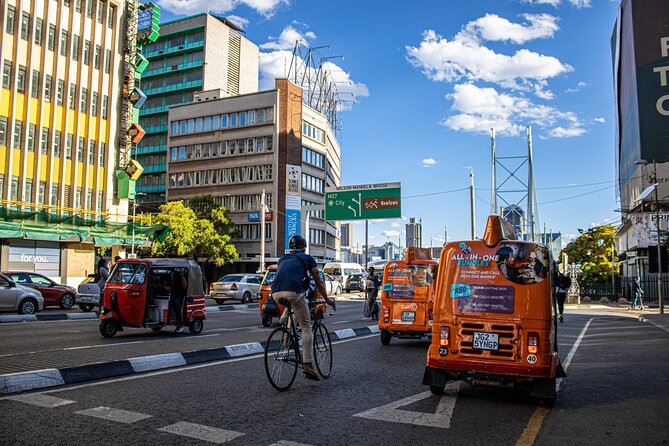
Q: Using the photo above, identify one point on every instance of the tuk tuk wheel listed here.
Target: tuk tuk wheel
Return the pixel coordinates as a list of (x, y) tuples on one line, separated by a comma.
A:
[(108, 328), (196, 326), (386, 336), (266, 320)]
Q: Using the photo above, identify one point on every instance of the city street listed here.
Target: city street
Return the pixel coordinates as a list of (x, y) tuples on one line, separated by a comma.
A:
[(615, 392)]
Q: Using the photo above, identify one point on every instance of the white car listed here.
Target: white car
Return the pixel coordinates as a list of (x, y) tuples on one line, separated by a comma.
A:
[(332, 285), (19, 298)]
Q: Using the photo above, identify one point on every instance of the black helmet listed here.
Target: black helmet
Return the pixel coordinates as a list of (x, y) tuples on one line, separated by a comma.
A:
[(297, 243)]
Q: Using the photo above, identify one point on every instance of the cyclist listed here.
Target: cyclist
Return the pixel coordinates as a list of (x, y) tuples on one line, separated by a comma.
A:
[(291, 283)]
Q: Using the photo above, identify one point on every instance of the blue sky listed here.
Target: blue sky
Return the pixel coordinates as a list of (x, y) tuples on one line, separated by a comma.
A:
[(431, 77)]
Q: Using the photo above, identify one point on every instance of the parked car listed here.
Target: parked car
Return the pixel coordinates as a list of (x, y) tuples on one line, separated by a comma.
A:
[(19, 298), (354, 282), (243, 287), (54, 294), (332, 285), (88, 294)]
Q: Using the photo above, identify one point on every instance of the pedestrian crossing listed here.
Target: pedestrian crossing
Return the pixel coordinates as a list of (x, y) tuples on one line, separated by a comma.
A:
[(195, 431)]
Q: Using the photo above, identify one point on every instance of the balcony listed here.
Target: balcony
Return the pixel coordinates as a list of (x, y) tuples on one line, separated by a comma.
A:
[(174, 49), (176, 87), (152, 189), (172, 68), (156, 168), (148, 150), (153, 110), (156, 129)]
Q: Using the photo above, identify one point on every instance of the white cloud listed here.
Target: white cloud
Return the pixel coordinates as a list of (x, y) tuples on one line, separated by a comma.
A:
[(602, 120), (395, 225), (239, 21), (272, 65), (429, 162), (495, 28), (580, 86), (266, 8), (480, 109), (287, 39), (577, 3), (391, 233)]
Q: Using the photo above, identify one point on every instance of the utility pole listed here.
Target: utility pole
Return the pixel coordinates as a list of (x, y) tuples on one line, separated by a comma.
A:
[(530, 185), (366, 243), (262, 231), (659, 251), (493, 195), (445, 235), (472, 203)]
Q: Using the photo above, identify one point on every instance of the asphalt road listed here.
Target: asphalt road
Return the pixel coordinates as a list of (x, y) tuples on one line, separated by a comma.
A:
[(616, 392)]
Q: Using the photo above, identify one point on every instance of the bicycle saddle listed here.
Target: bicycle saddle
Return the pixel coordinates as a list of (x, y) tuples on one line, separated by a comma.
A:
[(283, 301)]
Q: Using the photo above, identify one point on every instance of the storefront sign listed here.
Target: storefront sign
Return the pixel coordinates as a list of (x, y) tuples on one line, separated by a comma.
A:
[(255, 216), (35, 257)]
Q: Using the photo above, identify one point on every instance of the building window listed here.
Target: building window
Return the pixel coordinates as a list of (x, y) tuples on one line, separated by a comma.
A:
[(25, 25), (91, 152), (77, 198), (44, 143), (3, 133), (60, 92), (80, 149), (89, 198), (38, 31), (7, 75), (101, 155), (312, 183), (314, 158), (47, 88), (51, 38), (21, 80), (242, 119), (87, 52), (313, 132), (15, 189), (100, 199), (71, 97), (102, 7), (198, 124), (233, 119), (224, 121), (11, 19), (77, 5), (34, 84), (32, 129), (69, 141), (89, 8), (107, 61), (83, 105), (18, 133), (28, 191), (111, 17), (63, 42), (54, 195), (56, 144), (96, 57), (40, 192), (105, 104), (94, 105), (75, 47)]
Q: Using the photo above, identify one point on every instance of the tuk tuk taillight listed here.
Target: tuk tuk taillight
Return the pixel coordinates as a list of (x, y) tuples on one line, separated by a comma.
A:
[(443, 336), (532, 343), (386, 310), (233, 286), (133, 293)]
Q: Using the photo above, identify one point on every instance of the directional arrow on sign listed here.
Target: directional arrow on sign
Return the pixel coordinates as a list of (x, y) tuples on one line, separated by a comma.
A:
[(440, 418)]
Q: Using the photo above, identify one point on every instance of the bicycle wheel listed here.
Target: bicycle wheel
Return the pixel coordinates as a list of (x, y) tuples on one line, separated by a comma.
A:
[(322, 351), (281, 359)]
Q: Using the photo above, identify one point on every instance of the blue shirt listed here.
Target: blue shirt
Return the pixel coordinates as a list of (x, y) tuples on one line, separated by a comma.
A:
[(290, 273)]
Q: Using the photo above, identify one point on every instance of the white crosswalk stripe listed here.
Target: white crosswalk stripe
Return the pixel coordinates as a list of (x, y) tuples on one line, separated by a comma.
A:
[(41, 400), (118, 415), (288, 443), (200, 432)]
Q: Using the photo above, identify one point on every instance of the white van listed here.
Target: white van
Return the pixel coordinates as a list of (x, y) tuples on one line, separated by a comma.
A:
[(341, 271)]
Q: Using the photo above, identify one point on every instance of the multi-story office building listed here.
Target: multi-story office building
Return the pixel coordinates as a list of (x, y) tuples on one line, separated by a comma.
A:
[(233, 148), (640, 45), (192, 54), (414, 233), (347, 234), (62, 73)]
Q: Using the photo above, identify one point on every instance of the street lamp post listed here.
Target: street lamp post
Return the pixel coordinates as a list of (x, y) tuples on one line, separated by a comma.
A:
[(134, 213)]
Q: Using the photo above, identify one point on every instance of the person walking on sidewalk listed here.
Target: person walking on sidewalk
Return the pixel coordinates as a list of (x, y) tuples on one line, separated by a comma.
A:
[(371, 293), (563, 283), (637, 294), (291, 283)]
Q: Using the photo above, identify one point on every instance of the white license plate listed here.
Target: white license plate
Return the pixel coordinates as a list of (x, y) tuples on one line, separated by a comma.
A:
[(485, 341), (408, 316)]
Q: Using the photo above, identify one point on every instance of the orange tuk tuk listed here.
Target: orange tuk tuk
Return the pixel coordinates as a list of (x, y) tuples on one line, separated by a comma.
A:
[(495, 315), (407, 295)]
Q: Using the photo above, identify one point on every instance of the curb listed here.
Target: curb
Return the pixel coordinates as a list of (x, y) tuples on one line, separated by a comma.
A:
[(94, 315), (39, 379)]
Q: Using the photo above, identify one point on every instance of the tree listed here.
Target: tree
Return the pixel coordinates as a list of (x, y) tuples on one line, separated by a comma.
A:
[(592, 250), (192, 235), (206, 208)]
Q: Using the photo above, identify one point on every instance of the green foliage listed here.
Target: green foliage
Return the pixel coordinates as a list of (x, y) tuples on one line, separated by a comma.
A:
[(194, 235), (592, 250)]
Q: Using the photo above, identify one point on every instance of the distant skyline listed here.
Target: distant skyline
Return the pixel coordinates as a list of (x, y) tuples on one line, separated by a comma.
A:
[(424, 85)]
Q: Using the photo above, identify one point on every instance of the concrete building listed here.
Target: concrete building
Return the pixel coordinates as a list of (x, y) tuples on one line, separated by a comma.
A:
[(347, 235), (62, 73), (233, 148), (515, 215), (640, 44), (192, 54), (414, 233)]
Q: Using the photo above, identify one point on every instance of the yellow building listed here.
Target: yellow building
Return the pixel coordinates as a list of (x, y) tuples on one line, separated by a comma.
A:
[(60, 108)]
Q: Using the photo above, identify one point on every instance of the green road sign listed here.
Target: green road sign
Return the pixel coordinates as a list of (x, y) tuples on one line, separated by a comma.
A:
[(367, 201)]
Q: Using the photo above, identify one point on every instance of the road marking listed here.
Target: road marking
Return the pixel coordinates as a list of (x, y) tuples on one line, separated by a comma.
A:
[(102, 345), (19, 318), (341, 322), (16, 382), (288, 443), (531, 431), (81, 315), (41, 400), (155, 362), (643, 319), (200, 432), (111, 414), (441, 418)]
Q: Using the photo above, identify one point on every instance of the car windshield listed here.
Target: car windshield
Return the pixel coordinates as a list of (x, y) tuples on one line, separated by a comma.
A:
[(351, 271), (333, 271), (134, 273), (230, 279), (269, 278)]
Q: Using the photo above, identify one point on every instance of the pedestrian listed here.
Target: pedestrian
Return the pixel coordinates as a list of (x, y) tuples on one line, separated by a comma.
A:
[(563, 283), (179, 291), (102, 274), (291, 283), (637, 294), (371, 293)]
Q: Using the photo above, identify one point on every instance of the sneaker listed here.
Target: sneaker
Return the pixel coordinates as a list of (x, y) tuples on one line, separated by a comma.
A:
[(309, 372), (561, 318), (179, 330)]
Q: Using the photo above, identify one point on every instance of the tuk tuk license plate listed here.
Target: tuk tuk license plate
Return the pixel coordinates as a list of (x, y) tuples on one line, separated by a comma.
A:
[(485, 341), (408, 316)]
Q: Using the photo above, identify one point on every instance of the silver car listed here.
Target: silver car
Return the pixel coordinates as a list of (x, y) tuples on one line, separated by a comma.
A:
[(332, 285), (242, 287), (15, 297)]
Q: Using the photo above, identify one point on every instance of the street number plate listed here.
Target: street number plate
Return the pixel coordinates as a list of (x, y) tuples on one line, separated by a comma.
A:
[(408, 316), (485, 341)]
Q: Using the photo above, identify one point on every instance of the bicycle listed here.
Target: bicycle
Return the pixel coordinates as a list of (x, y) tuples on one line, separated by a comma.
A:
[(283, 354)]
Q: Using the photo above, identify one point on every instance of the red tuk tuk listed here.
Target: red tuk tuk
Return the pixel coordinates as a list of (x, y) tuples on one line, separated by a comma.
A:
[(140, 293)]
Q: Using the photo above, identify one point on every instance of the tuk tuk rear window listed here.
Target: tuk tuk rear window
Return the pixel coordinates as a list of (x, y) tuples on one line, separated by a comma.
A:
[(269, 278), (133, 273)]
